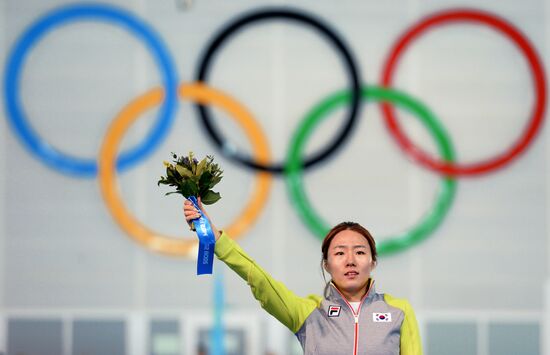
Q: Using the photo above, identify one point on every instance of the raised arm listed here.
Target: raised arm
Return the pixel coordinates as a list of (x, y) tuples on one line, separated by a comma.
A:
[(290, 309)]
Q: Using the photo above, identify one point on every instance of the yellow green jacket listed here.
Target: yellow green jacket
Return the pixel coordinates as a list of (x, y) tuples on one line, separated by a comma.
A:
[(328, 325)]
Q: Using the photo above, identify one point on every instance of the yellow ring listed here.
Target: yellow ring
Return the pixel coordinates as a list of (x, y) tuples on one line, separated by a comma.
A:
[(202, 94)]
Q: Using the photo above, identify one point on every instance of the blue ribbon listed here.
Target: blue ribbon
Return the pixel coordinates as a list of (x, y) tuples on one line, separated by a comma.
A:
[(207, 241)]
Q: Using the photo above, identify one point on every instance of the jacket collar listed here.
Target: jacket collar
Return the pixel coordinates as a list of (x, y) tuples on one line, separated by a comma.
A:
[(335, 295)]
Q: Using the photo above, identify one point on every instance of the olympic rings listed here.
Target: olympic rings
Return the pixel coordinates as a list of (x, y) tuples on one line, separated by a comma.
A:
[(17, 117), (293, 173), (537, 73), (205, 95), (300, 17)]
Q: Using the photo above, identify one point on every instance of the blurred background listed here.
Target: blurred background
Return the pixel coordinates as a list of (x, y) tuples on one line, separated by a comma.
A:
[(72, 281)]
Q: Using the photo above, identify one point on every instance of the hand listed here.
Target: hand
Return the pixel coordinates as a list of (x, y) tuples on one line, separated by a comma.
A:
[(191, 213)]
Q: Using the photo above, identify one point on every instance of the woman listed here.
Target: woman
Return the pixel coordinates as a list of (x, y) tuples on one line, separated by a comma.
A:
[(351, 318)]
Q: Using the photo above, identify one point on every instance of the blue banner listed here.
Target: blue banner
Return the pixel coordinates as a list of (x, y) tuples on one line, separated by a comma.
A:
[(207, 241)]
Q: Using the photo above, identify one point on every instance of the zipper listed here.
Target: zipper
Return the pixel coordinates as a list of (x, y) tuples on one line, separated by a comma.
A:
[(356, 335), (355, 315), (356, 325)]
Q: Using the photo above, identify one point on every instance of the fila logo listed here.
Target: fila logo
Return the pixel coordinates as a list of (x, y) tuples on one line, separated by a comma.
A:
[(381, 317), (334, 311)]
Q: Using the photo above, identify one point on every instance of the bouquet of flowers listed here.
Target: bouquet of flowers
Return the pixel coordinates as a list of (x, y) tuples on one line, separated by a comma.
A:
[(192, 177)]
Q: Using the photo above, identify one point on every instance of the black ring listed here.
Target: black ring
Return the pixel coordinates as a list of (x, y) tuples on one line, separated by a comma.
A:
[(288, 14)]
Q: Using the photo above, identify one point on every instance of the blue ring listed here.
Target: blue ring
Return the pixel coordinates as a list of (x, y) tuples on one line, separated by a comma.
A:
[(15, 114)]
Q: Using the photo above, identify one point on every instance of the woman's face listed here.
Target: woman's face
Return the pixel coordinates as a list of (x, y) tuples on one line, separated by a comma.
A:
[(349, 262)]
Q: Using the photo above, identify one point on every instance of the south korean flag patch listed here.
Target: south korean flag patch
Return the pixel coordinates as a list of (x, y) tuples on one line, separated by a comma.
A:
[(381, 317), (334, 311)]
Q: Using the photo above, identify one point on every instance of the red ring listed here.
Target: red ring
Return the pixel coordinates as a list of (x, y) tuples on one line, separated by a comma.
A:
[(537, 73)]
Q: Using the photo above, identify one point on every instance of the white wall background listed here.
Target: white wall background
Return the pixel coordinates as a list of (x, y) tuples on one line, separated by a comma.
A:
[(63, 255)]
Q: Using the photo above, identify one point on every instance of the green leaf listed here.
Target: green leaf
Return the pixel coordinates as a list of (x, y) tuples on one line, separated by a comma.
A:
[(195, 189), (184, 172), (186, 190), (210, 197), (200, 167), (214, 181), (169, 173), (205, 179)]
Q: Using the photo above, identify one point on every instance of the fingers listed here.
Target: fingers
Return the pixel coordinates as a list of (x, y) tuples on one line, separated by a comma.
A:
[(190, 212)]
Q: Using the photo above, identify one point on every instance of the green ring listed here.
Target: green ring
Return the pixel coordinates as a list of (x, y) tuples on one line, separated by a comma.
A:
[(293, 169)]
